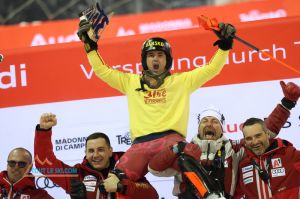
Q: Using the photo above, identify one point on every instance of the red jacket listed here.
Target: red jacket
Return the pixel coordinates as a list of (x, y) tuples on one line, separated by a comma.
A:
[(280, 163), (43, 151), (232, 152), (24, 188)]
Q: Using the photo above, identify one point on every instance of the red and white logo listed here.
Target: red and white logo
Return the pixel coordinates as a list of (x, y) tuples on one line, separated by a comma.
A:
[(276, 163)]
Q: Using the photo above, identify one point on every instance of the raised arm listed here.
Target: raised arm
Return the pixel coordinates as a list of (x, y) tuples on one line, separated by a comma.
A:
[(88, 34), (280, 114), (201, 75), (45, 159)]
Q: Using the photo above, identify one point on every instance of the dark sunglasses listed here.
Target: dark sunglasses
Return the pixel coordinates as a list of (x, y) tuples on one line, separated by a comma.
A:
[(13, 163)]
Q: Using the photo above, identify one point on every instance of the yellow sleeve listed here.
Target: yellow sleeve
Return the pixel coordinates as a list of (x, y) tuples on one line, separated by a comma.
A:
[(116, 79), (199, 76)]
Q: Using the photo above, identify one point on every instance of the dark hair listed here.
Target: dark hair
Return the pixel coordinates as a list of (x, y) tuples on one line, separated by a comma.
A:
[(21, 149), (251, 121), (97, 135)]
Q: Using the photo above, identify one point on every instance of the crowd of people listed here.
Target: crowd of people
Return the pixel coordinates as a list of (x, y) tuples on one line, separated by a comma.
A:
[(258, 166)]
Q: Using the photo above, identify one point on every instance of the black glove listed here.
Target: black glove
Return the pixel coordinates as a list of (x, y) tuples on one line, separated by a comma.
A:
[(78, 190), (226, 35), (84, 27)]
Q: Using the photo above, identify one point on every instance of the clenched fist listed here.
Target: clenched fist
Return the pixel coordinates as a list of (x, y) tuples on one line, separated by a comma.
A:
[(47, 120)]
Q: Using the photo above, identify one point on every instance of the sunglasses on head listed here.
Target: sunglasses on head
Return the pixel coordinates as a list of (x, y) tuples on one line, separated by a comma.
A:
[(12, 163)]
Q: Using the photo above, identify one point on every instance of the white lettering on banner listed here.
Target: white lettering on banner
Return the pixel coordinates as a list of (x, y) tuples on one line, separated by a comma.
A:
[(167, 25), (40, 40), (243, 57), (10, 76), (87, 74), (183, 63), (122, 32), (254, 15)]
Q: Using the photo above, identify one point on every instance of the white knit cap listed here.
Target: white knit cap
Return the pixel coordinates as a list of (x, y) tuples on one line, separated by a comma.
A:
[(213, 112)]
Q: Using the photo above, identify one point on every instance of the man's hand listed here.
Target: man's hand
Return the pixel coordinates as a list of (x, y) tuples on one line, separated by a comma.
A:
[(84, 27), (78, 190), (290, 90), (227, 31), (226, 35), (93, 20), (291, 93), (47, 120), (111, 183)]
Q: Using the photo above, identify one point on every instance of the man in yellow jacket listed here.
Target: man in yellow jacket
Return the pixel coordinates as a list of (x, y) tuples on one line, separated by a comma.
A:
[(158, 102)]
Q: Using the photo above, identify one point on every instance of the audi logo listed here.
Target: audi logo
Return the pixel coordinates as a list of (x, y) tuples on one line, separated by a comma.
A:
[(44, 182)]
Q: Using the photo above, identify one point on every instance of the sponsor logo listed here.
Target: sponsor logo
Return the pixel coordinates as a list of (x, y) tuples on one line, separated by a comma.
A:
[(44, 162), (90, 189), (40, 39), (44, 182), (155, 43), (281, 189), (89, 177), (166, 25), (124, 139), (70, 143), (276, 163), (254, 15), (8, 79), (155, 97), (247, 174), (247, 168), (278, 172), (49, 171), (248, 180), (90, 183)]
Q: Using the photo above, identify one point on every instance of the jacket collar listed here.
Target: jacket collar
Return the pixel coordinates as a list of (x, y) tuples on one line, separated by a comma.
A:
[(22, 184), (275, 145)]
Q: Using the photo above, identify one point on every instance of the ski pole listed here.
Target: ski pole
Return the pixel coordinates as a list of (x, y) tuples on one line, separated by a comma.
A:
[(213, 24)]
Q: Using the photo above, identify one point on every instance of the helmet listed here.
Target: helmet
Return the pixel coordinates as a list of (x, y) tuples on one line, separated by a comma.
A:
[(157, 43)]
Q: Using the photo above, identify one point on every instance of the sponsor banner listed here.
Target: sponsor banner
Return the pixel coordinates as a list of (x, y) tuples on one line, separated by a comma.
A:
[(43, 33), (78, 119), (61, 72)]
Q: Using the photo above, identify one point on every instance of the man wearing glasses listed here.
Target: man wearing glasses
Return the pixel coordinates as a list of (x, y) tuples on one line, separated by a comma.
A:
[(16, 182)]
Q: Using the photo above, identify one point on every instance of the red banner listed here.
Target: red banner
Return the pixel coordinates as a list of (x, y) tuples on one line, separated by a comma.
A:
[(61, 72), (65, 31)]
